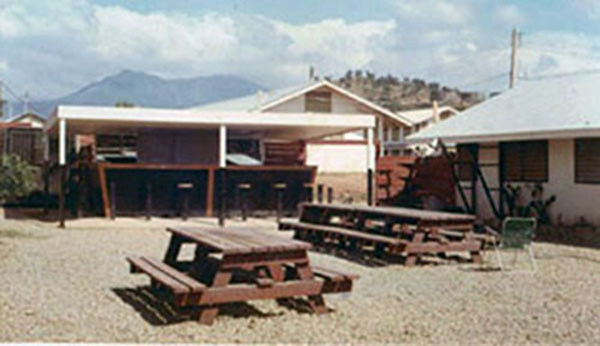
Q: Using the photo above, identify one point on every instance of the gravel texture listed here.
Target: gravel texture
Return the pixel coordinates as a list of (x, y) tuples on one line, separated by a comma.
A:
[(74, 285)]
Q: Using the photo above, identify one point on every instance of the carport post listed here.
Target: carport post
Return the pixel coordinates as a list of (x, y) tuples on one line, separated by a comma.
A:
[(222, 174), (62, 160), (370, 165)]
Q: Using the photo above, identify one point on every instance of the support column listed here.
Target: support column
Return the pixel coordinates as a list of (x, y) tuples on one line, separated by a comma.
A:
[(370, 165), (46, 174), (62, 160), (222, 174), (380, 136)]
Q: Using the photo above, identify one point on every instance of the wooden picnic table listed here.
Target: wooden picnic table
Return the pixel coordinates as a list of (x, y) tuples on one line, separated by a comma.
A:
[(358, 214), (234, 266), (394, 230)]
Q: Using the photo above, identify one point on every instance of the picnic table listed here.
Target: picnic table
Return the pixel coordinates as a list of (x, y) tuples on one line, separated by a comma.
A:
[(394, 230), (235, 266)]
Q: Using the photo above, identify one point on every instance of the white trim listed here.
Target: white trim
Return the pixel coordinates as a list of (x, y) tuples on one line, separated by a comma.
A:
[(505, 137), (222, 146), (370, 150), (62, 142), (212, 118)]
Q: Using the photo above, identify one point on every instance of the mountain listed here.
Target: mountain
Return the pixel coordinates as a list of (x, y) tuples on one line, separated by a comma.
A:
[(398, 95), (147, 90)]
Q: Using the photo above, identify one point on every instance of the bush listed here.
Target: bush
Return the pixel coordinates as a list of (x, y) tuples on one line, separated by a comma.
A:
[(17, 178)]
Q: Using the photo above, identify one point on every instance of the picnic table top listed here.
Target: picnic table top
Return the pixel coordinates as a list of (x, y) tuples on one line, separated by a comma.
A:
[(228, 241), (418, 214)]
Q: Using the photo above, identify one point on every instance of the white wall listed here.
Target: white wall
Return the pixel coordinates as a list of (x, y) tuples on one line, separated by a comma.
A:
[(572, 200), (337, 158)]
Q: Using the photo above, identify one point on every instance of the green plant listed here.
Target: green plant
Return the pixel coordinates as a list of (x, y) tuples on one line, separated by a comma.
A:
[(537, 207), (17, 178)]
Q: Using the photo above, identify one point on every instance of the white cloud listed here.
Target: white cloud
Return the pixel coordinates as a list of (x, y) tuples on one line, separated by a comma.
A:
[(51, 48), (435, 12), (509, 14)]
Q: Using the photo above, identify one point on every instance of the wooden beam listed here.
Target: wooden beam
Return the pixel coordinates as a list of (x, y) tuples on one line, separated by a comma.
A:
[(210, 191), (104, 190)]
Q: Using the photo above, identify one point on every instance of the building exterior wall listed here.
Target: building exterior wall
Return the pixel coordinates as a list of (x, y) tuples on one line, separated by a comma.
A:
[(178, 146), (573, 200), (337, 157)]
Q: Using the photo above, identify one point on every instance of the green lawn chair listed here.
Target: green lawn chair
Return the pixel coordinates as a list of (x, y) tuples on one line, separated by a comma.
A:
[(516, 235)]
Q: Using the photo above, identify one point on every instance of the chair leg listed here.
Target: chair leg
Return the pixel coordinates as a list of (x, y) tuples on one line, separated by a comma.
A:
[(532, 257), (498, 257)]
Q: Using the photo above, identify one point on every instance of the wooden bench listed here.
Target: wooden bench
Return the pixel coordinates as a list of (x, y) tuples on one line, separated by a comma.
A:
[(303, 229), (163, 275)]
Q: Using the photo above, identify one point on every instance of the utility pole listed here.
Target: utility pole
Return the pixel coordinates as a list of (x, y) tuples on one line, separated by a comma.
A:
[(1, 101), (513, 59)]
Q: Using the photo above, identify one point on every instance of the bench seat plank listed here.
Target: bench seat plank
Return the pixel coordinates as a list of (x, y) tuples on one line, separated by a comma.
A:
[(346, 232), (166, 275)]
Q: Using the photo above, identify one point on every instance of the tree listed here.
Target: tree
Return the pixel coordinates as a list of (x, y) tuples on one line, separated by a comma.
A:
[(17, 178), (124, 104)]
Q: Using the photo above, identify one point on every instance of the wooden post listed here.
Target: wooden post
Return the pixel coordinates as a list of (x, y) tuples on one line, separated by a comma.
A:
[(46, 187), (148, 200), (474, 152), (320, 193), (222, 196), (184, 195), (113, 199), (243, 199), (329, 194), (61, 197), (279, 187), (308, 188)]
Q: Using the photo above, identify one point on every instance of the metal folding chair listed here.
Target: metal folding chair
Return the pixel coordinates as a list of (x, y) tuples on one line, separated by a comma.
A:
[(516, 235)]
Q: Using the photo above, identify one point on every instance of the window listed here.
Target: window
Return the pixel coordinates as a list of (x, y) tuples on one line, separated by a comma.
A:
[(318, 102), (525, 161), (587, 160), (466, 155)]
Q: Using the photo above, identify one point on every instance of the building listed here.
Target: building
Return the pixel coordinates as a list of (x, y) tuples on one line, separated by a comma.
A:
[(541, 133), (149, 155), (420, 119), (22, 135), (325, 97)]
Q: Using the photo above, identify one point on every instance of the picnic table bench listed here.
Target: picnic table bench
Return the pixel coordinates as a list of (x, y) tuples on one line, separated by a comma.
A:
[(235, 266), (411, 232)]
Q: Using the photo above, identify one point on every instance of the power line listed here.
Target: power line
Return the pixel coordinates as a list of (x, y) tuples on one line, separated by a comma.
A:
[(19, 98)]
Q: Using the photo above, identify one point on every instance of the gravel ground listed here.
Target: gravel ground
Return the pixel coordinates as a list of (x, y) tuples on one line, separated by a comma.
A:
[(74, 285)]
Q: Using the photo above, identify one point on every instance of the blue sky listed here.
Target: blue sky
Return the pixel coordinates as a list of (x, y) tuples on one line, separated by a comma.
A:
[(50, 48)]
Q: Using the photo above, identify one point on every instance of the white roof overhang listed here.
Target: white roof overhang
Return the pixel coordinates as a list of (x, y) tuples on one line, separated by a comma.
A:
[(285, 126)]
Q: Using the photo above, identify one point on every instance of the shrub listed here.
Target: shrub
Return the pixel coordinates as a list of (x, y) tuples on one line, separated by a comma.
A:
[(17, 178)]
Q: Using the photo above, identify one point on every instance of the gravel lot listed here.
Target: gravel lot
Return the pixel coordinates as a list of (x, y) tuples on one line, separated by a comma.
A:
[(74, 285)]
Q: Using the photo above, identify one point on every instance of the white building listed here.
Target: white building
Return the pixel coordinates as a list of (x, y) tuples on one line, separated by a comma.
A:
[(344, 152), (544, 132)]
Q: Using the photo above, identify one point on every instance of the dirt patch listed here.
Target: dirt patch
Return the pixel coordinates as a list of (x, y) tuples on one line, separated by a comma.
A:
[(345, 185)]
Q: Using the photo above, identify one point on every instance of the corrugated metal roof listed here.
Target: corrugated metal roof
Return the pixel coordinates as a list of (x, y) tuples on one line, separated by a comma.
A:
[(558, 107)]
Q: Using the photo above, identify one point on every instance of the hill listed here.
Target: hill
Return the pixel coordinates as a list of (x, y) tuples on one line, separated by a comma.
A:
[(147, 90), (398, 95)]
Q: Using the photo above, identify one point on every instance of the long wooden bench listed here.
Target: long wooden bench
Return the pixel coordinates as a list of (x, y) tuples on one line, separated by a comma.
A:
[(303, 229), (182, 286)]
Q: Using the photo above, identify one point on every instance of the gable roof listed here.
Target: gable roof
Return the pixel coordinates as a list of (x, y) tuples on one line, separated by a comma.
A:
[(24, 115), (263, 101), (418, 116), (566, 106)]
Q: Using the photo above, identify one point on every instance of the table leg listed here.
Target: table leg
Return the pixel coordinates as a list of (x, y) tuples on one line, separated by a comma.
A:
[(210, 312), (277, 272), (411, 258), (316, 302), (173, 249)]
